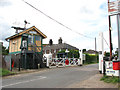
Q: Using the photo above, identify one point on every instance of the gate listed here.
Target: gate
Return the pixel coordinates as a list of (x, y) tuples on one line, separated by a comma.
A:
[(63, 62)]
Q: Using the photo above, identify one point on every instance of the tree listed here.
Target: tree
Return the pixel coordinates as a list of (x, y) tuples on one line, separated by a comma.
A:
[(5, 51), (84, 50), (116, 52), (107, 54)]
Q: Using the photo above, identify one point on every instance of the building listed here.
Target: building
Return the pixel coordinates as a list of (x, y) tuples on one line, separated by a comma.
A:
[(26, 48), (55, 48)]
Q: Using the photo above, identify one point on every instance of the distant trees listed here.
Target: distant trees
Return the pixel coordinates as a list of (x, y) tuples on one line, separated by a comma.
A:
[(84, 50), (5, 50)]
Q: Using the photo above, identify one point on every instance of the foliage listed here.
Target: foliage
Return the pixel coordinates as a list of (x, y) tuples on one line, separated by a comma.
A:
[(5, 51), (116, 52), (91, 58), (71, 53), (4, 72), (107, 54), (62, 51), (109, 79), (84, 50)]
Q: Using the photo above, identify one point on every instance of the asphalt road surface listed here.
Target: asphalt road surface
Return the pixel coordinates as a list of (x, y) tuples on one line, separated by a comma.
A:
[(52, 78)]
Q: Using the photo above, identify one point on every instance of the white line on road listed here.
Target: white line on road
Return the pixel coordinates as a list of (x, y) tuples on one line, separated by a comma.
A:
[(24, 81)]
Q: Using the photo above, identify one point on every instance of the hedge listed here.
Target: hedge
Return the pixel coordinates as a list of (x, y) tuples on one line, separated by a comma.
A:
[(91, 58)]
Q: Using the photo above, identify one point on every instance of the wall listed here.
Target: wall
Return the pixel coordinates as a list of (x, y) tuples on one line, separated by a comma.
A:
[(14, 44)]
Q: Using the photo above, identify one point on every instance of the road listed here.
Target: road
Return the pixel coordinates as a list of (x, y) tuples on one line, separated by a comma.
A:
[(52, 78)]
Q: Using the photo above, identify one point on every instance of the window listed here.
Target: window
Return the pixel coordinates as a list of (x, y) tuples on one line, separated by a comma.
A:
[(37, 38), (31, 39), (32, 32)]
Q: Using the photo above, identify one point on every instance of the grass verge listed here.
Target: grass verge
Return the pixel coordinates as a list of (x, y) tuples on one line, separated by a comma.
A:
[(110, 79), (5, 72)]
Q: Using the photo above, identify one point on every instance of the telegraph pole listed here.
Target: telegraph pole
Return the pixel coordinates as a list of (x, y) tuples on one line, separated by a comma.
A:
[(95, 45), (110, 36)]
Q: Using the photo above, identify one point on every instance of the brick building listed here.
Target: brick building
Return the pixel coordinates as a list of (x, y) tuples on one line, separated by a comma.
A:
[(55, 48)]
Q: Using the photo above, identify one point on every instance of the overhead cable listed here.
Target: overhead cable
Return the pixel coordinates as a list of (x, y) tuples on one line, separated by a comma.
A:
[(56, 20)]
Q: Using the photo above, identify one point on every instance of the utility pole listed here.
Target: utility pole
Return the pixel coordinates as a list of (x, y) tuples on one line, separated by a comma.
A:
[(110, 38), (95, 45), (95, 49)]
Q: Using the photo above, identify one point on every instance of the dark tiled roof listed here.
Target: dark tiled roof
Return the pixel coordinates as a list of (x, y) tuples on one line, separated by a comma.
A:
[(59, 46)]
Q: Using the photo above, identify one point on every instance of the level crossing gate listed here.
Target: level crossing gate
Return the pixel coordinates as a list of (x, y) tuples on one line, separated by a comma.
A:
[(60, 62)]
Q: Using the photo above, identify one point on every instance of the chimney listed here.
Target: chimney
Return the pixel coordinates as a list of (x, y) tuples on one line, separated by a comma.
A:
[(50, 42), (60, 41)]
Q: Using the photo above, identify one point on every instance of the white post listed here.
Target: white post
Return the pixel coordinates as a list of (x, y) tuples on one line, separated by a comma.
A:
[(118, 25), (81, 57), (101, 52)]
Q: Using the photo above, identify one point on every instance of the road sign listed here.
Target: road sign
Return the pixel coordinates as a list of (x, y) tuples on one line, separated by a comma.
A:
[(114, 7)]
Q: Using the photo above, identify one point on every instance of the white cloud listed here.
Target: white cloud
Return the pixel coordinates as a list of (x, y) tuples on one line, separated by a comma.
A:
[(88, 17)]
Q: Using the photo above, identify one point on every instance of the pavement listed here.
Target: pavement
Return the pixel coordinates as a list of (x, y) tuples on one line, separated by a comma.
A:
[(93, 82), (68, 77)]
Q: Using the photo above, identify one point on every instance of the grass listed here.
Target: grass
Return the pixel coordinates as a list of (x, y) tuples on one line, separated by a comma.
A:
[(109, 79), (5, 72)]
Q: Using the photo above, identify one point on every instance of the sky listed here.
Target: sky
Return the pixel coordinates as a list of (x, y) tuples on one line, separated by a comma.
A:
[(88, 17)]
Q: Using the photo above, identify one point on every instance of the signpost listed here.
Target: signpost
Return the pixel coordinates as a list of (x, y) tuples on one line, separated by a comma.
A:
[(114, 9)]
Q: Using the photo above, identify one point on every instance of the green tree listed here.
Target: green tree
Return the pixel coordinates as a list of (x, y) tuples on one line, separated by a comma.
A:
[(5, 51), (84, 50), (107, 54), (116, 52)]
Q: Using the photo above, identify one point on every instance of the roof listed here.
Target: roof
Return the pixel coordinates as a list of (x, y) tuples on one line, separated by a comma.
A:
[(59, 46), (31, 28)]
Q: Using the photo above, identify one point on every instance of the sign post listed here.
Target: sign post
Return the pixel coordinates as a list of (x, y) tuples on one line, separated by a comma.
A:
[(114, 9)]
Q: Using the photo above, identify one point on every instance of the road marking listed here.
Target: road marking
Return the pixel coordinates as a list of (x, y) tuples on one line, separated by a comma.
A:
[(41, 77)]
